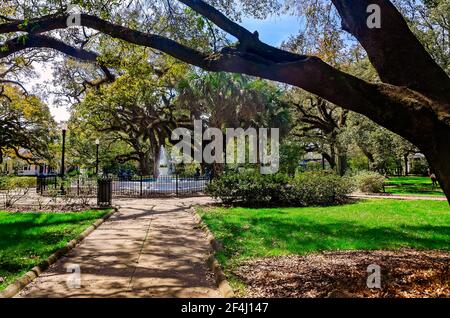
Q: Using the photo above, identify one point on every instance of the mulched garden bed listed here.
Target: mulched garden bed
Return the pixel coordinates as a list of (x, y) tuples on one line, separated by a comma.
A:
[(49, 208), (404, 273)]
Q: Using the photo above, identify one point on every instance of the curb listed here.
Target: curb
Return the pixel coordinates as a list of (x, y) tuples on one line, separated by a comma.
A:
[(221, 280), (15, 287)]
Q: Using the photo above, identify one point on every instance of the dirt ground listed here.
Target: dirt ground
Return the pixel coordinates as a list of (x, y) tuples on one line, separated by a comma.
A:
[(404, 273)]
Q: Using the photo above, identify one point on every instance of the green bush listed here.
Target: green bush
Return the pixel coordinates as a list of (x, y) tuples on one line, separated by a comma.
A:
[(369, 181), (8, 183), (320, 188), (419, 167), (251, 188)]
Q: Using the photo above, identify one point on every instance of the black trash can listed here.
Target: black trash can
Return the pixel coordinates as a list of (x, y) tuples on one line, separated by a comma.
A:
[(104, 192)]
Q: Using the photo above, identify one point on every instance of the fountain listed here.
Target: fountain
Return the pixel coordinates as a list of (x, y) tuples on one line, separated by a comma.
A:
[(167, 182), (164, 163)]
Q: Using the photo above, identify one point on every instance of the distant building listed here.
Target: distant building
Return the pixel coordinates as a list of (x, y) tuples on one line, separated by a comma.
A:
[(311, 161), (15, 166), (32, 170)]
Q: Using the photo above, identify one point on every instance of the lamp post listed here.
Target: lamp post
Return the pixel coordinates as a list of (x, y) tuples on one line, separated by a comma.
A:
[(64, 130), (97, 143)]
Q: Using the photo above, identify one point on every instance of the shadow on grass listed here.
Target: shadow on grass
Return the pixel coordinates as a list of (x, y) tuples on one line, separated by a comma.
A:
[(28, 238), (277, 236)]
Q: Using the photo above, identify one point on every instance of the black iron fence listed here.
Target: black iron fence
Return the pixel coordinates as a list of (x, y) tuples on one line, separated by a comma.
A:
[(137, 186), (46, 184)]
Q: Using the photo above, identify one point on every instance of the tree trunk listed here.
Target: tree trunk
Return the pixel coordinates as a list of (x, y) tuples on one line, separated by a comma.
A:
[(144, 166), (437, 153), (440, 164), (406, 164), (341, 160), (330, 159), (156, 157), (342, 164)]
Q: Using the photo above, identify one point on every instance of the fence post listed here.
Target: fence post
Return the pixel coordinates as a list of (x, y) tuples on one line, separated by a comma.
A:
[(38, 184), (78, 186), (140, 191), (176, 177)]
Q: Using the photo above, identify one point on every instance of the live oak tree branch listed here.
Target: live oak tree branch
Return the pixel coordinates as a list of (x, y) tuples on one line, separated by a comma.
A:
[(413, 100), (399, 58)]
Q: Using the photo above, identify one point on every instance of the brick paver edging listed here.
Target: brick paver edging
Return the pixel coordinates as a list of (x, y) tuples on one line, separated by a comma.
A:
[(221, 280), (31, 275)]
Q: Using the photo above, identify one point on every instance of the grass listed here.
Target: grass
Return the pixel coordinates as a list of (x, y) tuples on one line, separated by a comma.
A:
[(247, 233), (26, 239), (411, 185)]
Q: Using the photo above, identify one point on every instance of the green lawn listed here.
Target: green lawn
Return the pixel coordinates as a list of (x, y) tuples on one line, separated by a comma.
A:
[(371, 224), (26, 239), (411, 186)]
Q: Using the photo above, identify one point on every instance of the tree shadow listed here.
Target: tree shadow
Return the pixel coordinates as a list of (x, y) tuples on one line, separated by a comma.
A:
[(274, 235)]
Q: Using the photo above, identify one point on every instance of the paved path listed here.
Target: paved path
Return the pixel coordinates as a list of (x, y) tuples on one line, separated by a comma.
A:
[(149, 248), (398, 197)]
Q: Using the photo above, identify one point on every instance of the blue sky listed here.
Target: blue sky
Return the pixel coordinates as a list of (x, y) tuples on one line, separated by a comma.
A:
[(273, 31)]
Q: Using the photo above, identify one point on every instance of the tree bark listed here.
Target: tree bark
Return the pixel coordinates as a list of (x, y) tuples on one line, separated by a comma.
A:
[(144, 165), (156, 157), (406, 164), (342, 164), (437, 153), (330, 159)]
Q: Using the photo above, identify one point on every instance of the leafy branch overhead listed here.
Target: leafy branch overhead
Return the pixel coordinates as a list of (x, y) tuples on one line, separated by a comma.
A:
[(411, 98)]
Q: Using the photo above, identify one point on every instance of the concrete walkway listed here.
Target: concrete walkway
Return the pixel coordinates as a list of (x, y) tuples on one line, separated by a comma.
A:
[(398, 197), (149, 248)]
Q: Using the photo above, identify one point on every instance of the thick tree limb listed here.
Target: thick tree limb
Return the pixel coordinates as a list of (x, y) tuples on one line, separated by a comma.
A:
[(381, 102), (163, 44), (41, 41), (397, 55), (248, 41)]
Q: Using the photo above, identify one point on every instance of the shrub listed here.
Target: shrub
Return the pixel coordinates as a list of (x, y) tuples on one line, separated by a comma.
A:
[(8, 183), (320, 188), (419, 167), (25, 182), (369, 181), (251, 188), (15, 188)]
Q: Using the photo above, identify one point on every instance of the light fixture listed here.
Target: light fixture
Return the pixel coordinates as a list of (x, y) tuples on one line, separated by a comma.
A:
[(97, 141), (64, 127)]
